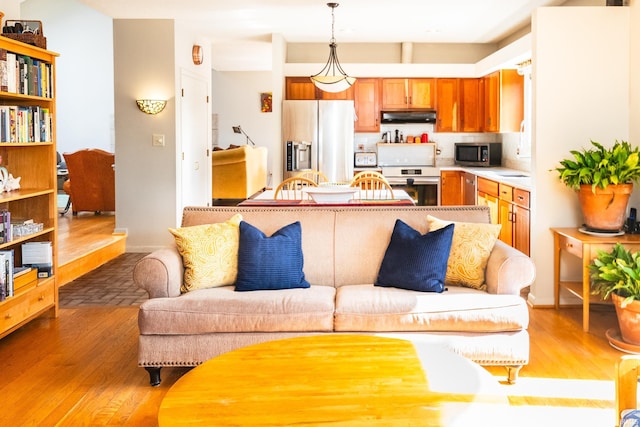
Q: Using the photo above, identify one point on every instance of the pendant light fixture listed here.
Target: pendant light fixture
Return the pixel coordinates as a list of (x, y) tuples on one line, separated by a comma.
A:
[(332, 77)]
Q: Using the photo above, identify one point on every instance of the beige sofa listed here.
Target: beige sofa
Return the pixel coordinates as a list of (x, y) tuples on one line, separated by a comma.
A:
[(238, 173), (343, 248)]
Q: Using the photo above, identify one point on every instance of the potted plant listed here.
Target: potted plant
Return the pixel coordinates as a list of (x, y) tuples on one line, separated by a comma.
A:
[(604, 180), (616, 274)]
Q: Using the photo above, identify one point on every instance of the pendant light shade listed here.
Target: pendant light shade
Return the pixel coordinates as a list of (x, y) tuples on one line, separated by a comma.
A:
[(332, 77)]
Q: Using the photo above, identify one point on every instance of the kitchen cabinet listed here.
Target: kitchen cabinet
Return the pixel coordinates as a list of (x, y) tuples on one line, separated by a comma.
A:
[(302, 88), (367, 105), (469, 189), (503, 96), (470, 107), (451, 187), (408, 93), (447, 105), (514, 215), (487, 195)]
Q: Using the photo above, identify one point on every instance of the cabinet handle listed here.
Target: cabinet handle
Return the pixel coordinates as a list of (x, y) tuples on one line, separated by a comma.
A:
[(520, 198), (41, 298), (569, 245), (7, 316)]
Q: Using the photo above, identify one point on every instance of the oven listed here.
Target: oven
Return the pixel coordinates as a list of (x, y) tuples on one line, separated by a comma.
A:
[(412, 168)]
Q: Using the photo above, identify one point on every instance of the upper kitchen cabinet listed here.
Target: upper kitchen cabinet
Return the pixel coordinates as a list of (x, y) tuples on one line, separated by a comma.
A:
[(447, 105), (367, 104), (470, 110), (503, 101), (302, 88), (407, 93)]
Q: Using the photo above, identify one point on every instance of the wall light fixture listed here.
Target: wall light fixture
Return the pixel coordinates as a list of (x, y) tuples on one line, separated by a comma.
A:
[(151, 106)]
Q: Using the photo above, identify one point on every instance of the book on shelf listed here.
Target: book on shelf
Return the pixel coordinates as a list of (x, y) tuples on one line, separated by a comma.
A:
[(6, 273), (38, 255), (25, 75)]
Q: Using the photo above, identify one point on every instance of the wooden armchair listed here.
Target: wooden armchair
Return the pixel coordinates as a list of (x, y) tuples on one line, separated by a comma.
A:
[(91, 185)]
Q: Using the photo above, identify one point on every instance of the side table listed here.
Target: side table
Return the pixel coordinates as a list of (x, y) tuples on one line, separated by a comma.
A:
[(585, 247)]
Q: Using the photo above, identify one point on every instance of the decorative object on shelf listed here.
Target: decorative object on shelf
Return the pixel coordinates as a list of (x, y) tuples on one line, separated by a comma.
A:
[(604, 181), (12, 183), (196, 54), (151, 106), (266, 102), (24, 31), (616, 274), (332, 77), (238, 129)]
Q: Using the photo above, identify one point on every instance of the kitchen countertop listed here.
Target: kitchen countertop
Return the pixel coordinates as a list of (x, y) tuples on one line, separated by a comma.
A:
[(512, 177)]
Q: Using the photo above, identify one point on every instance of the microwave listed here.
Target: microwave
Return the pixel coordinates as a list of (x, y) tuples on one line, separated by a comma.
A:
[(478, 153)]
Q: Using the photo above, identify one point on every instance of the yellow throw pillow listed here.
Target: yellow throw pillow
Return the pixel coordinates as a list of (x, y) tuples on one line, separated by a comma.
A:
[(209, 253), (470, 249)]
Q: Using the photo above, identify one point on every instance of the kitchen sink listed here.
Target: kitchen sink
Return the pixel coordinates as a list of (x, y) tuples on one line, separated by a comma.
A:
[(506, 174)]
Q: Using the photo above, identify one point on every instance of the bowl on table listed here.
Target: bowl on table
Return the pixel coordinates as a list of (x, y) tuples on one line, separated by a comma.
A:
[(331, 194)]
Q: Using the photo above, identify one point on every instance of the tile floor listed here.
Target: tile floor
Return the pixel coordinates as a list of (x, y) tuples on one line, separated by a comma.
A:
[(109, 284)]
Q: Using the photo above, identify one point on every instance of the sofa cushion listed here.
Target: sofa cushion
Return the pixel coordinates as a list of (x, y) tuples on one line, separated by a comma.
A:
[(222, 310), (459, 309), (269, 263), (470, 249), (416, 261), (209, 253)]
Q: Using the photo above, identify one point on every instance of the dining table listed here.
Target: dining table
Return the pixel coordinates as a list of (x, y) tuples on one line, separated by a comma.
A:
[(360, 198)]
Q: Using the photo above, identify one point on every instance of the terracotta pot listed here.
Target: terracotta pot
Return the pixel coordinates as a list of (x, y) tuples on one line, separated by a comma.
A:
[(628, 320), (607, 208)]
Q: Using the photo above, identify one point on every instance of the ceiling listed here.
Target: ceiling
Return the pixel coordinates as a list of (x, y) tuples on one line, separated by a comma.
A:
[(246, 22)]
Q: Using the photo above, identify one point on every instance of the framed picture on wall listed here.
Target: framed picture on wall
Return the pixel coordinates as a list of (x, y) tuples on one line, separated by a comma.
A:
[(266, 101)]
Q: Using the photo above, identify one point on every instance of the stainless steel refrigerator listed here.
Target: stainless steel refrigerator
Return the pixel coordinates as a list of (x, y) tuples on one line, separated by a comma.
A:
[(319, 135)]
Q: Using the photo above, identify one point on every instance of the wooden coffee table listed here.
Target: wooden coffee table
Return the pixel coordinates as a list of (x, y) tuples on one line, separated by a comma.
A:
[(336, 380)]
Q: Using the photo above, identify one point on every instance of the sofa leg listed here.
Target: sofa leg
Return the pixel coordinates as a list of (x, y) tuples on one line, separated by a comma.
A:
[(512, 373), (154, 375)]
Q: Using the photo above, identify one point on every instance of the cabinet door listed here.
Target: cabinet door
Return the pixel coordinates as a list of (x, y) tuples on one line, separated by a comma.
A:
[(300, 88), (451, 188), (504, 217), (367, 105), (469, 189), (447, 105), (470, 109), (511, 100), (421, 93), (485, 199), (521, 229), (394, 93), (491, 102)]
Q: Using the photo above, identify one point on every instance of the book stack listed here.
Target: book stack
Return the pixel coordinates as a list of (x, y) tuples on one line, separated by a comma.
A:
[(25, 75), (25, 123)]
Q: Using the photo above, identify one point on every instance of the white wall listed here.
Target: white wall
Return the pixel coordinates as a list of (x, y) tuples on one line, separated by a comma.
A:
[(84, 100), (581, 92)]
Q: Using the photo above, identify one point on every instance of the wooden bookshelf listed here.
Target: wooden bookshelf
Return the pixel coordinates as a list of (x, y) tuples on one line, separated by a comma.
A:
[(29, 152)]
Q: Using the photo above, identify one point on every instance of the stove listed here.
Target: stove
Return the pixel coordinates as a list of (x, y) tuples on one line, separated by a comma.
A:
[(412, 168)]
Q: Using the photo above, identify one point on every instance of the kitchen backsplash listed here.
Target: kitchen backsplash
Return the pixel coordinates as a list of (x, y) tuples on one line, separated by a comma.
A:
[(445, 143)]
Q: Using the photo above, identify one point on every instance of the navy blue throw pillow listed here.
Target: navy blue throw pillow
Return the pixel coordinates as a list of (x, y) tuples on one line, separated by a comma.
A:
[(266, 263), (416, 261)]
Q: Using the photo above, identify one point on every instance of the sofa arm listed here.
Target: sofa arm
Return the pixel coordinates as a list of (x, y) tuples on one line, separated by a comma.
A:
[(508, 270), (160, 273)]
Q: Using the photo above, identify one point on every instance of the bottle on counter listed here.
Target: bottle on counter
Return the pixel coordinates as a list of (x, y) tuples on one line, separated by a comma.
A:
[(397, 139)]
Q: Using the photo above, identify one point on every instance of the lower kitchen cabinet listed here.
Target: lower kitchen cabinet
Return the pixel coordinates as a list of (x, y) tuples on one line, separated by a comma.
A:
[(514, 215), (451, 187), (487, 195)]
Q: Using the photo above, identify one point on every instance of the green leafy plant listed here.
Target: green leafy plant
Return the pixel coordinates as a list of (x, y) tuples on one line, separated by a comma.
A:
[(600, 167), (617, 271)]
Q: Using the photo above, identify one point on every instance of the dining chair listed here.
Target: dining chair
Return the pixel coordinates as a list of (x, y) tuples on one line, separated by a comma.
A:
[(368, 174), (291, 188), (373, 187), (314, 175)]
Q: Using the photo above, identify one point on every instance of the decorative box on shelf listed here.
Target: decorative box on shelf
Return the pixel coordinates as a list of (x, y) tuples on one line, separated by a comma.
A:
[(25, 31)]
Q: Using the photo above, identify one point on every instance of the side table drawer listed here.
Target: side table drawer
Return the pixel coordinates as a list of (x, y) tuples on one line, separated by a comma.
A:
[(570, 245)]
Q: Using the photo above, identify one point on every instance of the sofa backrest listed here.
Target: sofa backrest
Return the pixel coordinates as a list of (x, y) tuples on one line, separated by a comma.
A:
[(340, 245)]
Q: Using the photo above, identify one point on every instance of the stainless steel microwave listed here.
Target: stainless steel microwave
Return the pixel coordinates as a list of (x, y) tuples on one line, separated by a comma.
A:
[(478, 153)]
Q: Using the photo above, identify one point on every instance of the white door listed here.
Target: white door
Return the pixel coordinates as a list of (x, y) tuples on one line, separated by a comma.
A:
[(195, 159)]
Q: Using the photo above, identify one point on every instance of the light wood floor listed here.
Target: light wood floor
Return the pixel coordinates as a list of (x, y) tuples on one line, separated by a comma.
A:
[(81, 369), (86, 241)]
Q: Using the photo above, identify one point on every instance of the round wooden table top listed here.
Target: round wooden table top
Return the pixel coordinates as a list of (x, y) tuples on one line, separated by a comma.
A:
[(336, 380)]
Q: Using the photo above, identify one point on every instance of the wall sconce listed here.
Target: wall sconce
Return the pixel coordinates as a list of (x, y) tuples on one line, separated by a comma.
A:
[(196, 54), (151, 106)]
